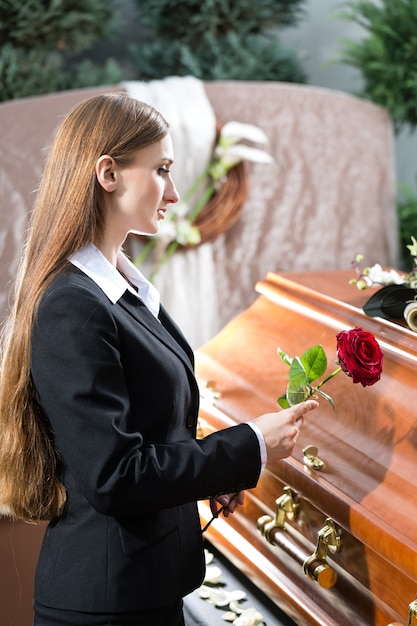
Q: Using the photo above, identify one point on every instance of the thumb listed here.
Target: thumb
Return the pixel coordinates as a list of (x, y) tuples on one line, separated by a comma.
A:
[(304, 407)]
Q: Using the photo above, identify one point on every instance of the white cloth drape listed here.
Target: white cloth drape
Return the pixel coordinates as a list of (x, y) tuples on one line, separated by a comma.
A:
[(187, 283)]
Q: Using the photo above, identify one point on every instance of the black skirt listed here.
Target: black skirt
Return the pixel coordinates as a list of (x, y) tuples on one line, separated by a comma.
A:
[(161, 616)]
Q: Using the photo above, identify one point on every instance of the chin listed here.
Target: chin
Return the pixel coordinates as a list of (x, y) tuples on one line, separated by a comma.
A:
[(146, 233)]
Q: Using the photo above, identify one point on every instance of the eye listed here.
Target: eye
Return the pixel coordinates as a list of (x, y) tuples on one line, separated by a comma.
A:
[(163, 170)]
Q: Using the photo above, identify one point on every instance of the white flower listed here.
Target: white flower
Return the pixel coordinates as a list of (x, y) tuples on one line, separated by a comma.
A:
[(375, 275), (219, 596), (250, 617), (180, 210), (213, 575), (187, 234), (229, 152), (167, 231), (233, 154), (232, 132)]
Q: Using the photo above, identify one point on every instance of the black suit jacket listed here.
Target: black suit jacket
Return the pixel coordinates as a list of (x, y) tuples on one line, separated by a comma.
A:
[(118, 389)]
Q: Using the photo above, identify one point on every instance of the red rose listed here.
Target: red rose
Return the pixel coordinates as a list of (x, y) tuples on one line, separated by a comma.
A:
[(360, 356)]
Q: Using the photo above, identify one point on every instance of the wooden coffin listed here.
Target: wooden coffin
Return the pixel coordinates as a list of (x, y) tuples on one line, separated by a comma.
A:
[(335, 546)]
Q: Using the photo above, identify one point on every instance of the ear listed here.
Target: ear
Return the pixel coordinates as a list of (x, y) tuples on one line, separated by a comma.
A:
[(106, 172)]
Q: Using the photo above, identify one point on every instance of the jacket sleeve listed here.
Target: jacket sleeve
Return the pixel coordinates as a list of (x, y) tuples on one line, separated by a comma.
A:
[(79, 372)]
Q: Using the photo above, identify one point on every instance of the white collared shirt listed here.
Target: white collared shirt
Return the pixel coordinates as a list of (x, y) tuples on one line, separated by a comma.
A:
[(95, 265)]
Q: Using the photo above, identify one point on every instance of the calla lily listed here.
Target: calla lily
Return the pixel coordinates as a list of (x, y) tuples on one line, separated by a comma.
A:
[(228, 157), (239, 152), (232, 132)]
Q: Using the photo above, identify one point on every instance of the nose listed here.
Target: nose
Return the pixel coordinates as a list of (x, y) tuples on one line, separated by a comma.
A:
[(171, 194)]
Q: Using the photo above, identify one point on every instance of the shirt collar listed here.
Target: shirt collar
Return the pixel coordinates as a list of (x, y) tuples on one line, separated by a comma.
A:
[(94, 264)]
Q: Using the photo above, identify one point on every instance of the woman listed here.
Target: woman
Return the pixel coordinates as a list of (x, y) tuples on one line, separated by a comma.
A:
[(98, 400)]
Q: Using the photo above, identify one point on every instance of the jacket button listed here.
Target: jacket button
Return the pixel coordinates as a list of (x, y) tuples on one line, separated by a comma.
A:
[(190, 421)]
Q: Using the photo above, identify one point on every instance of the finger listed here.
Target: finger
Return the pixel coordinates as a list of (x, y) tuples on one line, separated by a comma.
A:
[(309, 405), (224, 499), (293, 434), (304, 407), (213, 506), (236, 500), (232, 506), (299, 421)]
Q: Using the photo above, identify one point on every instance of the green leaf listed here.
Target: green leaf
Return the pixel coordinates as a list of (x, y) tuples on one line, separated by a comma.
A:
[(298, 388), (283, 402), (314, 362), (285, 357)]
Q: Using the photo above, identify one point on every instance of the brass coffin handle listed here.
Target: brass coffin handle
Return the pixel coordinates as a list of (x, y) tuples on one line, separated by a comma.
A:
[(287, 505), (412, 615), (274, 528), (310, 458), (275, 532), (209, 391), (316, 567)]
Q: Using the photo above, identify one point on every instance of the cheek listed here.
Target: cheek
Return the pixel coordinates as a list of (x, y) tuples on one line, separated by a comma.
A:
[(158, 187)]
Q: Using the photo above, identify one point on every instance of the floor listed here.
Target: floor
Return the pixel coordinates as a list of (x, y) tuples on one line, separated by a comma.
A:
[(200, 612)]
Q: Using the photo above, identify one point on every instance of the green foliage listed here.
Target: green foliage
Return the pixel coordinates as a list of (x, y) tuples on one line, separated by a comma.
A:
[(88, 73), (65, 24), (217, 40), (261, 58), (50, 45), (189, 20), (387, 56), (39, 40), (407, 215), (387, 60), (27, 72)]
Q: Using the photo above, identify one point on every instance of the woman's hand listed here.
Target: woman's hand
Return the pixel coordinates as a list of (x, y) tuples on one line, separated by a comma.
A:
[(228, 503), (280, 430)]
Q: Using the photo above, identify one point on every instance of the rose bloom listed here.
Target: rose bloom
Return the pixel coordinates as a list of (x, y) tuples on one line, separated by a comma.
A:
[(360, 356)]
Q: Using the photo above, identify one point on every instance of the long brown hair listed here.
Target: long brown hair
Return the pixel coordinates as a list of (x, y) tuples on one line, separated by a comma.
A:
[(68, 213)]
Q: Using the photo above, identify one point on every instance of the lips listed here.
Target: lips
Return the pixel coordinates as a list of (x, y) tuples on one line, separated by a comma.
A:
[(161, 213)]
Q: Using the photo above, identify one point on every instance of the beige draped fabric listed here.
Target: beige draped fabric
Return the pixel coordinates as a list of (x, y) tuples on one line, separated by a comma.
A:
[(328, 195)]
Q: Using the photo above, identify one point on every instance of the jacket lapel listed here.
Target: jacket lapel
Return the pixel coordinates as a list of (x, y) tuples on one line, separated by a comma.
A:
[(165, 330)]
